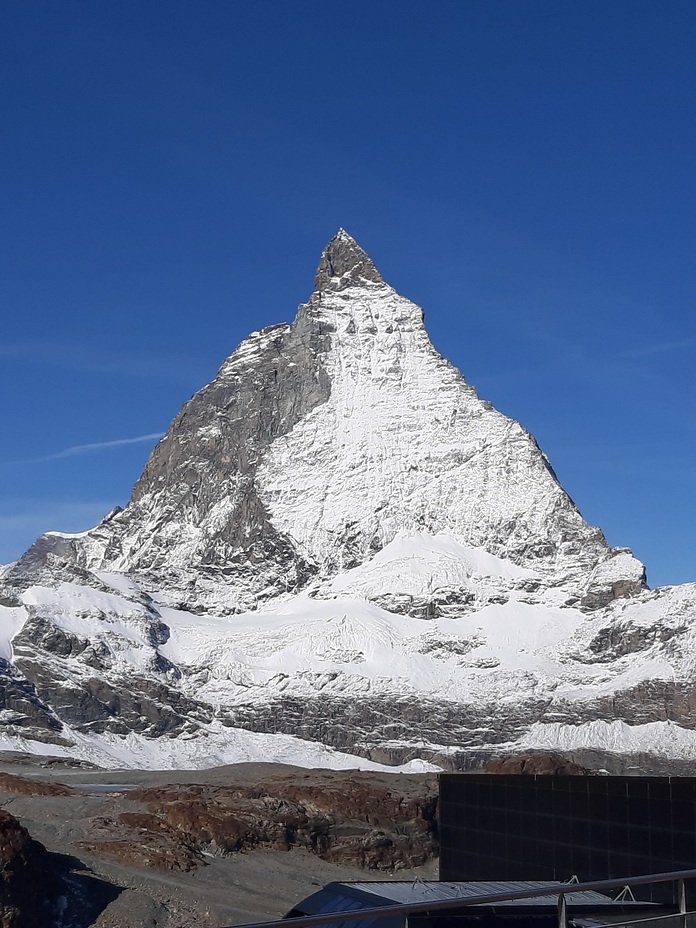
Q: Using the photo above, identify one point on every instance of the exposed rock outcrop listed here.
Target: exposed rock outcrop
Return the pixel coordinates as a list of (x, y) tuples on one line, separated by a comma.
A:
[(27, 883), (536, 765), (367, 821)]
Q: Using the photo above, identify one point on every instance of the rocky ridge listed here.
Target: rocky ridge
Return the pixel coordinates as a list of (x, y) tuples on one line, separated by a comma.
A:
[(355, 819), (338, 543)]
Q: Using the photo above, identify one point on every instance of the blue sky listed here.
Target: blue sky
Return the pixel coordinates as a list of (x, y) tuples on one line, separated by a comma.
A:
[(524, 170)]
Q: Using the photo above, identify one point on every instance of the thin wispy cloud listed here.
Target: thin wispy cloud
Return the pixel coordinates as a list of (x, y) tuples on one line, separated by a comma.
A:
[(92, 447)]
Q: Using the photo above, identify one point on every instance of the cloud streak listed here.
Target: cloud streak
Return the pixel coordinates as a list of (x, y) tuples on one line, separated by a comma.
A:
[(76, 450)]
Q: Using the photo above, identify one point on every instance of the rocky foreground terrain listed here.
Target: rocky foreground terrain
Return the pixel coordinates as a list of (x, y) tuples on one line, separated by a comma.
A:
[(237, 844), (225, 846)]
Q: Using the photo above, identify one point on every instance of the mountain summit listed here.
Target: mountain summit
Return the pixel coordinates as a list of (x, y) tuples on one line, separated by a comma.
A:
[(343, 263), (337, 540)]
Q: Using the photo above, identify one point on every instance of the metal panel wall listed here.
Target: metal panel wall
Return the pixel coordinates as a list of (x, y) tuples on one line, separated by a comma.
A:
[(501, 827)]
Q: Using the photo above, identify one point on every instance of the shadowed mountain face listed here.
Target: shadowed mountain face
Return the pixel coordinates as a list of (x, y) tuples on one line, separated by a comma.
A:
[(38, 888), (338, 540)]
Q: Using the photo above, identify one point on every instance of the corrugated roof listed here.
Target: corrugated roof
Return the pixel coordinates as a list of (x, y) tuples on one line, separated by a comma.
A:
[(435, 891)]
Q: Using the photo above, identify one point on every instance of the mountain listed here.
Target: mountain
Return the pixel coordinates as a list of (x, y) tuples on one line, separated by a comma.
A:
[(339, 551)]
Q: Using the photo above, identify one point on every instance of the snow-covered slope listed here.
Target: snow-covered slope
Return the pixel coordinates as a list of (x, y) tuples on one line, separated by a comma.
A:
[(337, 541)]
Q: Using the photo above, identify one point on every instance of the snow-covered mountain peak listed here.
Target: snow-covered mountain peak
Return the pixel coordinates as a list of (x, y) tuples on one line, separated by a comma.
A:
[(338, 540), (319, 442), (343, 264)]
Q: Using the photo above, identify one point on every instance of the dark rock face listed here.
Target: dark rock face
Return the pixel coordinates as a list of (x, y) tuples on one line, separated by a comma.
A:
[(39, 889), (536, 764), (363, 726), (24, 712), (197, 494), (119, 706), (364, 820), (26, 883), (652, 701), (137, 839), (624, 638), (621, 589), (343, 264), (97, 699)]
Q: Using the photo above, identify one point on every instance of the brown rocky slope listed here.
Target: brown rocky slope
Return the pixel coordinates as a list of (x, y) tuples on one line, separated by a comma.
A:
[(358, 819), (216, 847)]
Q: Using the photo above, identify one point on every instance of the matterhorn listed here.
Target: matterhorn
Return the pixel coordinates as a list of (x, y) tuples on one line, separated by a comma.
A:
[(340, 556)]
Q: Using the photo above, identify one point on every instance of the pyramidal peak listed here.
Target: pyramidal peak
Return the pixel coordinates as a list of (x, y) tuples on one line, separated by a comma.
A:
[(343, 264), (338, 527)]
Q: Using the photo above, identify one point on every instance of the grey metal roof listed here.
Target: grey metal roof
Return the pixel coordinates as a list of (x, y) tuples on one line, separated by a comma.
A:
[(435, 891)]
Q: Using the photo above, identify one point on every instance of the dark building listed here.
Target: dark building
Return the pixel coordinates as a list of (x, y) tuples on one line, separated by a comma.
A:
[(503, 835), (512, 827), (584, 909)]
